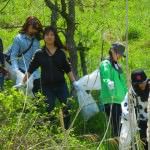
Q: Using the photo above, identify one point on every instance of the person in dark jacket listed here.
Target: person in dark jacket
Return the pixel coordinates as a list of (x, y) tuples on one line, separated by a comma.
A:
[(53, 63)]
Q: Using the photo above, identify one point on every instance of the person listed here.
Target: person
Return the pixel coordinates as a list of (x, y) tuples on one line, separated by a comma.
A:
[(113, 85), (139, 93), (53, 63), (3, 71), (22, 50)]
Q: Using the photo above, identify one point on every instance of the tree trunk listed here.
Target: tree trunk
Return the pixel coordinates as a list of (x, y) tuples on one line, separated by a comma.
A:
[(54, 15), (70, 36), (69, 17), (83, 62)]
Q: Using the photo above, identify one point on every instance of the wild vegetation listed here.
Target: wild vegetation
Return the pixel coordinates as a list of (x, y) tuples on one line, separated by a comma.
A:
[(24, 123)]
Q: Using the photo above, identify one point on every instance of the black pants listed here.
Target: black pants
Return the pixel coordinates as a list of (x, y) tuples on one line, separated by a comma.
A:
[(115, 111), (61, 93), (143, 129)]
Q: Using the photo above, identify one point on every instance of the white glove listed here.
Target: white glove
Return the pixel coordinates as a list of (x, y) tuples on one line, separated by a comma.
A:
[(76, 86), (111, 85)]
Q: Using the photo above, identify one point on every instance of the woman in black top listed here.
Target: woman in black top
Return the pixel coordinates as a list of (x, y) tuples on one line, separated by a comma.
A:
[(53, 63)]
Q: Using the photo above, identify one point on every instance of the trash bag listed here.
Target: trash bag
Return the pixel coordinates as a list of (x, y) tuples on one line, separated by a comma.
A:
[(90, 81), (29, 85), (87, 104), (125, 134), (18, 78)]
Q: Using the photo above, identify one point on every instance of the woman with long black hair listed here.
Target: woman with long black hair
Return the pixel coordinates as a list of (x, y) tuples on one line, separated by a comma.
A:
[(53, 63)]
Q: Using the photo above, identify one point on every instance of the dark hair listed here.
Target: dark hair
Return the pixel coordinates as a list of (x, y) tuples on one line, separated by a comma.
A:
[(36, 24), (57, 42)]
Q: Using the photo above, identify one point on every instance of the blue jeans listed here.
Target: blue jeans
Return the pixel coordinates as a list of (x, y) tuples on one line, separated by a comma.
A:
[(1, 82), (61, 93)]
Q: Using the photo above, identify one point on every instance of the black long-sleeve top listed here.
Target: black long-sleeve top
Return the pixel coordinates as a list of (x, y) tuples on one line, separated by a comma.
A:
[(52, 67)]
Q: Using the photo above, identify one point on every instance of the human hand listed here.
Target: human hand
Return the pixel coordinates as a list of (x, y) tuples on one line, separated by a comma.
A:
[(111, 85), (76, 86)]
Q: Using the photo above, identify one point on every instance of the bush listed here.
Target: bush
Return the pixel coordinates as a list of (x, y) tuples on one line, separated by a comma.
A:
[(24, 124)]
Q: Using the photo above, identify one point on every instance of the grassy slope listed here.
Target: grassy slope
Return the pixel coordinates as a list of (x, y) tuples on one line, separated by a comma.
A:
[(110, 18)]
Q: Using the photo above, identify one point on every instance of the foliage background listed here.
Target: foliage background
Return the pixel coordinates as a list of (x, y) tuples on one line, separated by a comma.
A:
[(96, 21)]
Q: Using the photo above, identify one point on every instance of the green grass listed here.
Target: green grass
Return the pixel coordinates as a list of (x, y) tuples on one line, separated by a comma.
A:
[(107, 17)]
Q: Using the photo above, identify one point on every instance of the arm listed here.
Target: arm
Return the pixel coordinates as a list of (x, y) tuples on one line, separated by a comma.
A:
[(71, 76), (105, 73), (14, 53), (67, 68), (26, 77), (32, 67)]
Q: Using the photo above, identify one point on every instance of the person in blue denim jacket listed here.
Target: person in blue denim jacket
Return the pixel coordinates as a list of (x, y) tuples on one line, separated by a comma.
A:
[(28, 38)]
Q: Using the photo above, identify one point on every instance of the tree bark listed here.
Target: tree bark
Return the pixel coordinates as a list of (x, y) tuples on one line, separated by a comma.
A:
[(70, 31), (54, 15)]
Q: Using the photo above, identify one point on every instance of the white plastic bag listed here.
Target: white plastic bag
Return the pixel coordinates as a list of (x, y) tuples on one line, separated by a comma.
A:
[(90, 81), (126, 133), (125, 136), (87, 104), (18, 78)]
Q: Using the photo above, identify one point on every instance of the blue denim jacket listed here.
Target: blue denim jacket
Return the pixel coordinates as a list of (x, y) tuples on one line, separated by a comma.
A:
[(20, 44)]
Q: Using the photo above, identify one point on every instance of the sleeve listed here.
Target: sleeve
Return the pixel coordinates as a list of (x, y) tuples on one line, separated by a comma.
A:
[(66, 65), (105, 72), (14, 53), (37, 45), (34, 63)]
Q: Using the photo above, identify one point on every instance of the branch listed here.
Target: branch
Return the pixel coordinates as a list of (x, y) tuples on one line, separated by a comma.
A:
[(50, 4), (63, 9)]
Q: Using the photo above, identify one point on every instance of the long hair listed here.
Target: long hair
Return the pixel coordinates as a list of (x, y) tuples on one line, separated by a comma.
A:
[(57, 41), (36, 24)]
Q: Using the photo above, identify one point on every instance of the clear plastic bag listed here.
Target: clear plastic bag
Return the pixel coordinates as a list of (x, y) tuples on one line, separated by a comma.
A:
[(90, 81), (126, 132), (87, 104)]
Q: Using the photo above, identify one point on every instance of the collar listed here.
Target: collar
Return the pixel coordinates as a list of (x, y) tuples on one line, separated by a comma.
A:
[(48, 53), (25, 36)]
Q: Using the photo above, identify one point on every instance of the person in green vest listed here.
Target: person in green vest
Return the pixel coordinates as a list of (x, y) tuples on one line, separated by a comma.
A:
[(113, 85)]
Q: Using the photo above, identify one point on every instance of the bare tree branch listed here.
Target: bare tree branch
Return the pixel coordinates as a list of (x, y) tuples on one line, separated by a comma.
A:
[(64, 10), (52, 6), (54, 15), (64, 6)]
